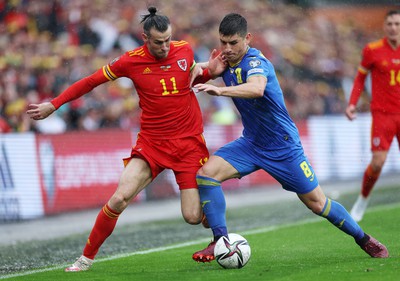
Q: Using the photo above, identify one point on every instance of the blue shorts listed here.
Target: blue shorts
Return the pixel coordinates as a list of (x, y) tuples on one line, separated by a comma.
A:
[(293, 172)]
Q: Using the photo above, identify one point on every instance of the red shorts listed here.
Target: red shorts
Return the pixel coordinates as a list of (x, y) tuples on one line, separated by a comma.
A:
[(384, 127), (183, 156)]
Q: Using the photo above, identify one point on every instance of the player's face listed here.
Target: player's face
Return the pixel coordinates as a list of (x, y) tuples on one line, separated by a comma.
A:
[(392, 28), (234, 47), (158, 43)]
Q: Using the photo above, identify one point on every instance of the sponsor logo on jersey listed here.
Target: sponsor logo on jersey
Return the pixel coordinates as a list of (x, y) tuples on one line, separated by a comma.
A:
[(182, 64), (146, 70)]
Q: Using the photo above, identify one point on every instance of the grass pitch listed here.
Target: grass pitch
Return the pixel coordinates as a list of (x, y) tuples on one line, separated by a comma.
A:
[(288, 243)]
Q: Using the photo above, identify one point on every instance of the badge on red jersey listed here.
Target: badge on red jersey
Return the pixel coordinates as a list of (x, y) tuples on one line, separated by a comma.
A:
[(182, 64)]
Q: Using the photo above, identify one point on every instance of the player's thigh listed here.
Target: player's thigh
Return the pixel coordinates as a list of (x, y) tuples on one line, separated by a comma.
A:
[(234, 160), (134, 178), (190, 205), (219, 169)]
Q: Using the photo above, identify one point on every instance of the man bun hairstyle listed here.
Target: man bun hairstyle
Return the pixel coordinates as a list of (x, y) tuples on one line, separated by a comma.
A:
[(152, 20)]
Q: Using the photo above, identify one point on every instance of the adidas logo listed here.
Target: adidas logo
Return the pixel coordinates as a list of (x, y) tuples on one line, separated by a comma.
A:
[(146, 70)]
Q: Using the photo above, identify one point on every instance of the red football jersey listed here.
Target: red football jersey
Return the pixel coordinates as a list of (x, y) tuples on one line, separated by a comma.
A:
[(169, 107), (384, 64)]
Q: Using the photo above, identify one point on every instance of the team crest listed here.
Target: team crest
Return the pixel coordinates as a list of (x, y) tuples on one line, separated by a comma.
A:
[(254, 63), (182, 64), (376, 141)]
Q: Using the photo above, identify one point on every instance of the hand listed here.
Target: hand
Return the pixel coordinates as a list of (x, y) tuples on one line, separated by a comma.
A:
[(40, 111), (196, 71), (210, 89), (351, 112), (216, 63)]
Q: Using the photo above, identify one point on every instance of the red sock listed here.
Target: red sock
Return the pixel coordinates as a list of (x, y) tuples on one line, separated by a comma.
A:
[(369, 180), (103, 227)]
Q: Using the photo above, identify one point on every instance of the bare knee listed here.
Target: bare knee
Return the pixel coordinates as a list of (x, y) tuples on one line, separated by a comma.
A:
[(378, 160), (377, 166), (205, 172), (193, 217), (213, 167), (316, 207), (315, 200), (118, 202)]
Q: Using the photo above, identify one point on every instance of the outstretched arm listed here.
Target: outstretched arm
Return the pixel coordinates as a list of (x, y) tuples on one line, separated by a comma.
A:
[(76, 90), (253, 88)]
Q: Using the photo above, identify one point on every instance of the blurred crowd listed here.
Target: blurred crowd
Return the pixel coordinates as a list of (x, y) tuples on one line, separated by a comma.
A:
[(47, 45)]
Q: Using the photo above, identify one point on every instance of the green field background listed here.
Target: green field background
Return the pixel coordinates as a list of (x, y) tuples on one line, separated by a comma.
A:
[(287, 241)]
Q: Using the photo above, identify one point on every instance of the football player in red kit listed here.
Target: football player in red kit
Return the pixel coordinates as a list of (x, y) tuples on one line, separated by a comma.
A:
[(382, 60), (171, 123)]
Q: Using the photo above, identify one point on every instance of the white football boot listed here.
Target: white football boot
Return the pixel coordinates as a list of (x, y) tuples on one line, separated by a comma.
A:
[(359, 207), (82, 264)]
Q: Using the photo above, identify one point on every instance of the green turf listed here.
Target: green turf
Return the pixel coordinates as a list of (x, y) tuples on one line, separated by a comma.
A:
[(307, 250)]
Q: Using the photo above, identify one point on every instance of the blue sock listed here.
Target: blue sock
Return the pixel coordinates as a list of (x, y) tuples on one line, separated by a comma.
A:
[(214, 206), (338, 216)]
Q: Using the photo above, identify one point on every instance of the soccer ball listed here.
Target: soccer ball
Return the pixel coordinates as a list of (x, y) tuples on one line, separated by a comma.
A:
[(234, 252)]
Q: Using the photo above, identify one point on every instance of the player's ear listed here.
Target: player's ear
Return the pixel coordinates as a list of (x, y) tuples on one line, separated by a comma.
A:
[(248, 38), (145, 37)]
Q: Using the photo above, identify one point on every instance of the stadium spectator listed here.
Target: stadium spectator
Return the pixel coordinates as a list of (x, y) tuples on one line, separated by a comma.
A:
[(53, 43), (382, 59), (171, 130), (270, 141), (4, 126)]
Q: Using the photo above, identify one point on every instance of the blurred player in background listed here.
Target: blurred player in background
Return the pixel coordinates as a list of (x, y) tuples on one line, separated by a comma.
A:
[(270, 139), (171, 123), (382, 59)]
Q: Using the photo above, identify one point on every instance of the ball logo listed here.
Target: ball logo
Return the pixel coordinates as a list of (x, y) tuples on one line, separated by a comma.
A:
[(233, 249), (233, 252)]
